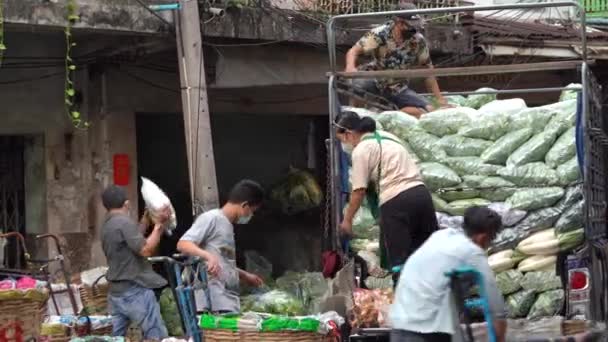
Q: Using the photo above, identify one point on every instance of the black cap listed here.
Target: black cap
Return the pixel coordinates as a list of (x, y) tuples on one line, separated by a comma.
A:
[(413, 20)]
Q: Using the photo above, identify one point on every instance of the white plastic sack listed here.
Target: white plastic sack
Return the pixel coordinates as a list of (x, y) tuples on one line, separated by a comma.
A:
[(510, 216), (505, 107), (155, 200)]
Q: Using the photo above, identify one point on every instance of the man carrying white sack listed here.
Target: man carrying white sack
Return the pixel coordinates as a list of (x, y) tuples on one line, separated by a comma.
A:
[(130, 275), (396, 45), (423, 309)]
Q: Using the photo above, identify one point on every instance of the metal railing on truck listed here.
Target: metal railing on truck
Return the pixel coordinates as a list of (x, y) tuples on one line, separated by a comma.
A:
[(595, 139)]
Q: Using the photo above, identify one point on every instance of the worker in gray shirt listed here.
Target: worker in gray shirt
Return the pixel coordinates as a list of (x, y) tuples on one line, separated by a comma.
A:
[(131, 298), (423, 309), (211, 237)]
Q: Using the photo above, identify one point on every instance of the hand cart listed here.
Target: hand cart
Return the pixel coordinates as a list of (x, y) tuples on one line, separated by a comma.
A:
[(186, 275)]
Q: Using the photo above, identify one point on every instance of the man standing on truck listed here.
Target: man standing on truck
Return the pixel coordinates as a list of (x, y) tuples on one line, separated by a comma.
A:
[(423, 309), (131, 277), (398, 44)]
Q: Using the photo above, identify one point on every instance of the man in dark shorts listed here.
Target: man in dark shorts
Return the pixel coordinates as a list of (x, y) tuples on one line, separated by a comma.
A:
[(396, 45)]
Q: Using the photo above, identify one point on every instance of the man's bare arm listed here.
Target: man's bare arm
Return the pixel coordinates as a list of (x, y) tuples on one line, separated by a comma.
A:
[(152, 242), (351, 58)]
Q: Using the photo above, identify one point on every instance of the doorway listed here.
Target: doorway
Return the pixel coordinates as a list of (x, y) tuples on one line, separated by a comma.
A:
[(12, 198)]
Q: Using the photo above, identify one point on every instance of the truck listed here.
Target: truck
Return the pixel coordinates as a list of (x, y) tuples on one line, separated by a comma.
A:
[(582, 270)]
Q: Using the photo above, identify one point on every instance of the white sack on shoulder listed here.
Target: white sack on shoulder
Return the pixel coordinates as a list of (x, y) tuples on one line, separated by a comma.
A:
[(155, 200)]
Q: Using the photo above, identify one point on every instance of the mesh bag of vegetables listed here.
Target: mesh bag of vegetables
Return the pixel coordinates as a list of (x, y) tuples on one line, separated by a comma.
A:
[(426, 147), (439, 204), (478, 100), (534, 119), (457, 208), (397, 123), (510, 216), (532, 174), (471, 166), (170, 313), (487, 127), (563, 150), (549, 303), (496, 189), (541, 281), (564, 118), (501, 149), (446, 121), (437, 176), (571, 93), (456, 100), (533, 150), (571, 219), (508, 282), (571, 197), (519, 303), (461, 192), (459, 146), (535, 198), (569, 172)]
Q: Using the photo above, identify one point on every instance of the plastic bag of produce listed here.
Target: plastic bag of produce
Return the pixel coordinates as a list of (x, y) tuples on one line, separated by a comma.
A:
[(170, 313), (535, 119), (548, 304), (446, 121), (439, 204), (571, 219), (457, 208), (568, 172), (487, 127), (534, 150), (529, 175), (541, 281), (456, 100), (155, 200), (519, 303), (471, 166), (510, 216), (540, 219), (473, 181), (437, 176), (371, 245), (364, 223), (563, 150), (279, 303), (535, 198), (496, 189), (564, 119), (505, 107), (478, 100), (372, 260), (411, 152), (257, 264), (426, 147), (499, 151), (571, 197), (370, 307), (568, 94), (459, 146), (508, 282), (397, 123), (460, 192)]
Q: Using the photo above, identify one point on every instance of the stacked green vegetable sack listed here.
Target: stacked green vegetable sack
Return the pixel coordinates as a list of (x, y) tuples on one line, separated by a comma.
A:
[(496, 152)]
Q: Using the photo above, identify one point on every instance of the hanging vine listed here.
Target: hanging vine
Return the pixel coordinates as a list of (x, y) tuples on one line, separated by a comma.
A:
[(70, 69), (2, 46)]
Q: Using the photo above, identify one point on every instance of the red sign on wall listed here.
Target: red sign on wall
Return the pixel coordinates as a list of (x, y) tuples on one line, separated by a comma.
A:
[(121, 170)]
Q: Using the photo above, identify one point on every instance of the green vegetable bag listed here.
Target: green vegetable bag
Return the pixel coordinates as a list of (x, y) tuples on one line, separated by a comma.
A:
[(471, 166), (535, 198), (500, 151), (563, 150), (519, 303), (170, 313), (571, 219), (569, 172), (487, 127), (533, 174), (426, 146), (459, 146), (534, 150), (548, 304), (446, 121), (437, 176), (508, 282)]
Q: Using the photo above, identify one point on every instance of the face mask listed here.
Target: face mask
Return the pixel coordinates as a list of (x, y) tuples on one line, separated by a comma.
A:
[(244, 219), (347, 148)]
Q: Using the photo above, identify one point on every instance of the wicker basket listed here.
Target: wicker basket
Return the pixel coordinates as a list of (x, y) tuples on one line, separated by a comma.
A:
[(573, 327), (95, 298), (221, 335), (26, 312)]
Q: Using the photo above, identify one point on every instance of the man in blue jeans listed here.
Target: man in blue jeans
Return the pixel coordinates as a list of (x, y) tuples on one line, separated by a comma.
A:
[(131, 277)]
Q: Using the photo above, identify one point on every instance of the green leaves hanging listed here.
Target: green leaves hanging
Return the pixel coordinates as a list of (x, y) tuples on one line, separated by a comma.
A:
[(70, 68)]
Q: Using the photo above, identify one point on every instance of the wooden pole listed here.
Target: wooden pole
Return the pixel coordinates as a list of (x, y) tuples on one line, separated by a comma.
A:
[(197, 126)]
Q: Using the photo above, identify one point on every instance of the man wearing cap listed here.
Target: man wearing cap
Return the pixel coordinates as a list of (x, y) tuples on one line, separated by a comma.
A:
[(131, 297), (398, 44)]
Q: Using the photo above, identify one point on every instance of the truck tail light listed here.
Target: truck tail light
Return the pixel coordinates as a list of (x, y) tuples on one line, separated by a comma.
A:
[(578, 280)]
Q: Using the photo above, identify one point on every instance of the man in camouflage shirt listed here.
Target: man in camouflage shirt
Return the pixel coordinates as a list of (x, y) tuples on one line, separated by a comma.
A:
[(395, 45)]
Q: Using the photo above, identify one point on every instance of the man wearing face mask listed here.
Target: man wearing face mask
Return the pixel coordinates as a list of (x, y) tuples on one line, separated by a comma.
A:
[(211, 237), (398, 44), (423, 308)]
